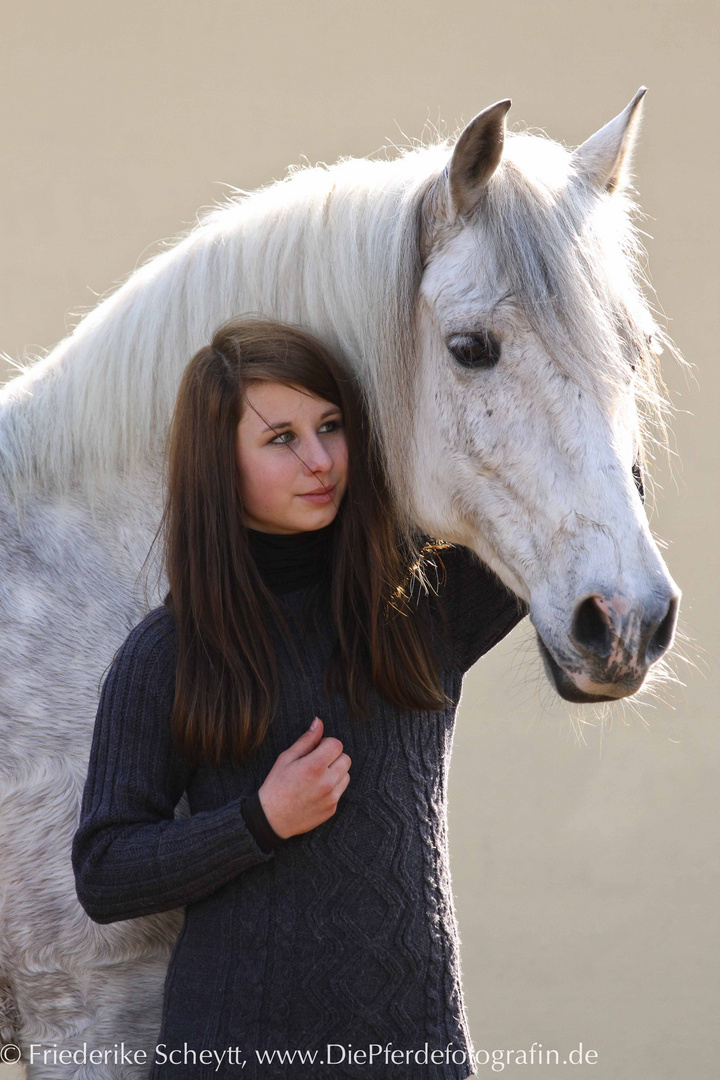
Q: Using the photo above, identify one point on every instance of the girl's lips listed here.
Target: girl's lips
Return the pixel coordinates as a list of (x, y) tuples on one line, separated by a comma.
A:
[(321, 496)]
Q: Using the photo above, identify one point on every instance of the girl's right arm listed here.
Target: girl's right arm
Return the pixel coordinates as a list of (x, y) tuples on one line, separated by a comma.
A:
[(131, 856)]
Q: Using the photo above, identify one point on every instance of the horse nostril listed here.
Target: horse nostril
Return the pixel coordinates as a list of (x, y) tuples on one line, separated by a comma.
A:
[(661, 639), (590, 629)]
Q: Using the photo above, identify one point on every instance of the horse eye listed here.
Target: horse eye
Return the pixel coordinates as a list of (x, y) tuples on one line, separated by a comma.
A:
[(481, 350)]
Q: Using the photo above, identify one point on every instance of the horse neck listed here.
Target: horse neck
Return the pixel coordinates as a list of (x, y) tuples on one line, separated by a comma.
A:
[(312, 250)]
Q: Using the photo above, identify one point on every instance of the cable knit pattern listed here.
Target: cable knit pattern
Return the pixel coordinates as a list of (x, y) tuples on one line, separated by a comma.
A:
[(344, 935)]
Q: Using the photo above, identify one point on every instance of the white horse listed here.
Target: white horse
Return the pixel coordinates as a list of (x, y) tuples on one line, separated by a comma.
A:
[(487, 294)]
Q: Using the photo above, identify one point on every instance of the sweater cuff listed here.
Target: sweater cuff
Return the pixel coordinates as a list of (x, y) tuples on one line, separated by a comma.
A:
[(252, 811)]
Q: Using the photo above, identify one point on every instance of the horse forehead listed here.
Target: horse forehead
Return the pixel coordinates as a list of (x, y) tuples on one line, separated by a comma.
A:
[(466, 276), (463, 268)]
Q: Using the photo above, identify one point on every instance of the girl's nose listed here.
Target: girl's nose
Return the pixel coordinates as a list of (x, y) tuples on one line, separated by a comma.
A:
[(316, 455)]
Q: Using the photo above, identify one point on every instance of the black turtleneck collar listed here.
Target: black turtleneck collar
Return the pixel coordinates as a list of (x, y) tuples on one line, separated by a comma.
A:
[(289, 561)]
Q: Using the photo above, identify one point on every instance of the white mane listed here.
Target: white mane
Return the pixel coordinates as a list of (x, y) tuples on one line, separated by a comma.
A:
[(336, 249)]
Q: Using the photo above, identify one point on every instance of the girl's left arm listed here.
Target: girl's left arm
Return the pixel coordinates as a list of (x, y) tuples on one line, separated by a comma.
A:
[(476, 609)]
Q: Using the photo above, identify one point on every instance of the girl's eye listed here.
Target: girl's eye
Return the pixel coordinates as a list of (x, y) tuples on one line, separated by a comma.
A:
[(332, 424)]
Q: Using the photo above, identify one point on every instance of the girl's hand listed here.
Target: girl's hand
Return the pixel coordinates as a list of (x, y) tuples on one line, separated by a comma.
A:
[(304, 785)]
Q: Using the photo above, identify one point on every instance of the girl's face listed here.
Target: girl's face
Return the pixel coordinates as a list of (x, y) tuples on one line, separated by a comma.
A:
[(274, 481)]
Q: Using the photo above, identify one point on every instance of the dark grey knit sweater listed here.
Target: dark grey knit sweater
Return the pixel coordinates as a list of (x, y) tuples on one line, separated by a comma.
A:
[(336, 953)]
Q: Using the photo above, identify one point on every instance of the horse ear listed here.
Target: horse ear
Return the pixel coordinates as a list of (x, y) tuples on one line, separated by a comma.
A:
[(476, 156), (605, 157)]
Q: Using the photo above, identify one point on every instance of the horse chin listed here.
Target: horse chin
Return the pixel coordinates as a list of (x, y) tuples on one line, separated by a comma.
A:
[(568, 689)]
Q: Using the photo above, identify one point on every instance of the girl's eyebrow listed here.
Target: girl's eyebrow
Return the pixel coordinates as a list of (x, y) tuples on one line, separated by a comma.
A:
[(288, 423)]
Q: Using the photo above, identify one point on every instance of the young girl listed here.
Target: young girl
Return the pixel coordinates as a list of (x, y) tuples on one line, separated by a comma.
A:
[(300, 683)]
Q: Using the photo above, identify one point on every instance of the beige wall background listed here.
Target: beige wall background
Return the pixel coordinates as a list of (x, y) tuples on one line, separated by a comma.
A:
[(584, 845)]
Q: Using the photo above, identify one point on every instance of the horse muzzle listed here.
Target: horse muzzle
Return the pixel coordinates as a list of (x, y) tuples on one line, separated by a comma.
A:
[(612, 643)]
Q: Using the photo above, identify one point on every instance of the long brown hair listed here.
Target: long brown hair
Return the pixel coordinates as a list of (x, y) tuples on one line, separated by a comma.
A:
[(226, 689)]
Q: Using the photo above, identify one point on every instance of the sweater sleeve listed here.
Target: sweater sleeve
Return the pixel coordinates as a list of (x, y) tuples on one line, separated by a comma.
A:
[(477, 610), (258, 824), (130, 855)]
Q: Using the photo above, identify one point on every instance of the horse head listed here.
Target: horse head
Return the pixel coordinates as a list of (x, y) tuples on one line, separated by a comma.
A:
[(536, 349)]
